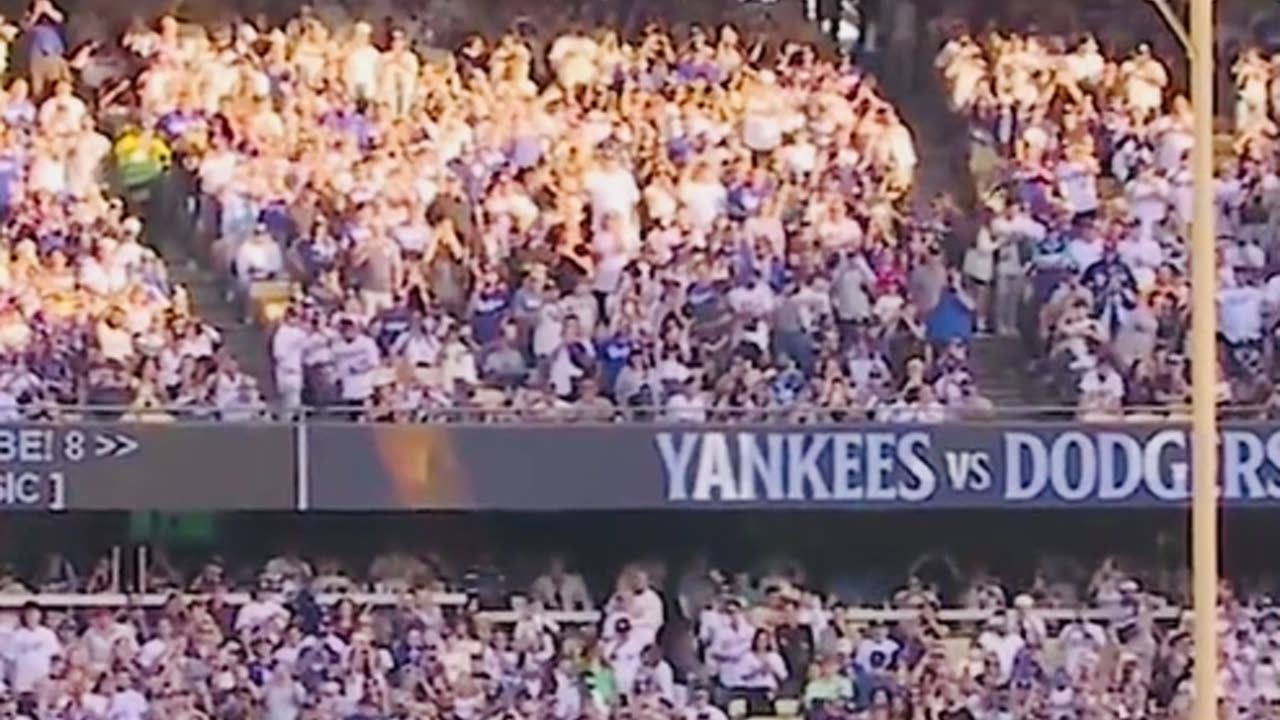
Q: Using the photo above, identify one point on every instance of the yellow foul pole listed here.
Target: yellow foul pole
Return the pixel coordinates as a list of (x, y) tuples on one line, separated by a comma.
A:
[(1204, 369)]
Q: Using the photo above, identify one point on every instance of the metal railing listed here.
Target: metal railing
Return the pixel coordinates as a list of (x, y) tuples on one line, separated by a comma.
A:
[(860, 615), (487, 414)]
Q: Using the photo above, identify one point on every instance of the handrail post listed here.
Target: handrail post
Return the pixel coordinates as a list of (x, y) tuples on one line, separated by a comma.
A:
[(303, 490)]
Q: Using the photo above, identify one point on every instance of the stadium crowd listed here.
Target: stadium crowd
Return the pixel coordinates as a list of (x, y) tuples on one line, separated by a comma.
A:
[(686, 229), (762, 645), (580, 225), (1084, 160), (88, 314)]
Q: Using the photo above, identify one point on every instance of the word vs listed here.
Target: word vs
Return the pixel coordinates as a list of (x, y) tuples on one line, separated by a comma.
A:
[(968, 470)]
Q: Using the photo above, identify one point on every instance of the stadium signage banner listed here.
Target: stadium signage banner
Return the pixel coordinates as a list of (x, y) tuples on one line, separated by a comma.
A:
[(318, 466), (954, 467), (123, 466), (845, 467)]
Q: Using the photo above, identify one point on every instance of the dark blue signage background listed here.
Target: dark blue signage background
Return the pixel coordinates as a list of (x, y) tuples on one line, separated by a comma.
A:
[(849, 467)]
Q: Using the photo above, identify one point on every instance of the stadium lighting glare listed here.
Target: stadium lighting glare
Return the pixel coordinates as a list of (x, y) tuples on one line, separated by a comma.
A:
[(1199, 47)]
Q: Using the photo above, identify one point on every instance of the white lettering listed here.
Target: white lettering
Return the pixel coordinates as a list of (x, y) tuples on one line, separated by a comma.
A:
[(766, 467), (1086, 472), (803, 461), (714, 477), (846, 466), (1242, 457), (1168, 484), (35, 446), (980, 472), (921, 481), (26, 446), (958, 464), (675, 462), (1273, 458), (19, 488), (1016, 446), (1113, 485), (880, 448)]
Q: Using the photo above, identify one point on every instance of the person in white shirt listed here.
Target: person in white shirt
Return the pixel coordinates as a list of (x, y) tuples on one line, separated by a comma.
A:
[(729, 644), (704, 196), (259, 612), (878, 652), (1002, 639), (1085, 249), (1148, 195), (159, 647), (283, 696), (63, 113), (1240, 310), (360, 65), (1078, 183), (761, 130), (612, 191), (757, 676), (1174, 144), (31, 649), (1101, 390), (258, 258), (1031, 625), (1144, 256), (686, 404), (124, 701), (656, 677), (623, 649), (559, 589), (102, 636), (288, 345), (356, 358), (1145, 79), (700, 707), (1081, 642), (647, 611)]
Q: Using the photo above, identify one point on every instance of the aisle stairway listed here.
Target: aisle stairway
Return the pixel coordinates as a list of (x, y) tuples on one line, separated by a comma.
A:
[(942, 142), (245, 341), (1000, 372)]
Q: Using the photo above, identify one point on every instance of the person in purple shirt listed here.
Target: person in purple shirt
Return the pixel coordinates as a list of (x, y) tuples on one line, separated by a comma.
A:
[(11, 172), (18, 111), (489, 306), (525, 152), (46, 48)]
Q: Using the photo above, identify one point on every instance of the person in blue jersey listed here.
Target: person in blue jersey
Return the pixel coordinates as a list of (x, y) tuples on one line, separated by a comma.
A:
[(1050, 263), (711, 318), (12, 173), (703, 294), (314, 253), (1115, 292), (613, 350), (954, 318), (489, 309), (46, 46), (528, 301), (391, 323)]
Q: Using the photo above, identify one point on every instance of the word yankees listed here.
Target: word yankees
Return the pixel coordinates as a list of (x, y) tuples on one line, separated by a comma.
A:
[(958, 467)]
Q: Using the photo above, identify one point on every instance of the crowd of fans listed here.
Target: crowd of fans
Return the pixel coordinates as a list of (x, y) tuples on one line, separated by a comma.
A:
[(592, 227), (704, 645), (1084, 156), (578, 225), (684, 226), (88, 315)]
